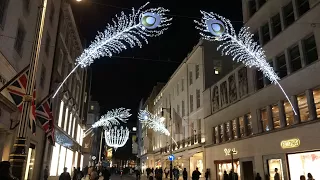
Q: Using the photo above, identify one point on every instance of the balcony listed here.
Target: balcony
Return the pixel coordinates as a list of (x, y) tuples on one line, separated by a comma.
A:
[(190, 141)]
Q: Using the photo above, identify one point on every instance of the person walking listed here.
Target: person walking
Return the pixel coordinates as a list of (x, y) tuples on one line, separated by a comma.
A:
[(207, 174), (258, 177), (65, 175), (196, 174), (276, 175), (185, 174), (310, 177)]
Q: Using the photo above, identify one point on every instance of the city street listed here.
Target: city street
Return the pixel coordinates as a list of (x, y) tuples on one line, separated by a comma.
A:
[(117, 177)]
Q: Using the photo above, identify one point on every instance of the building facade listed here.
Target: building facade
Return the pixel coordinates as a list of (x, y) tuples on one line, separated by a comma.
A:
[(17, 28), (69, 106), (181, 103), (249, 122)]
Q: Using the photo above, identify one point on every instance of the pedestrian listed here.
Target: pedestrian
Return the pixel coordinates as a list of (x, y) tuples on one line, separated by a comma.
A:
[(302, 177), (176, 173), (94, 175), (65, 175), (310, 177), (138, 173), (80, 174), (166, 172), (46, 173), (276, 175), (185, 174), (106, 174), (75, 173), (207, 174), (5, 171), (258, 177), (196, 174)]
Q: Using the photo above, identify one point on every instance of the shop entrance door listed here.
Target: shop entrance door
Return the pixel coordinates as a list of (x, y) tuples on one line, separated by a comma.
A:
[(248, 170)]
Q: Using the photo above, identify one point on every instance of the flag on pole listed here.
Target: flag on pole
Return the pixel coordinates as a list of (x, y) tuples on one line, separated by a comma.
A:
[(32, 115), (45, 117), (16, 88)]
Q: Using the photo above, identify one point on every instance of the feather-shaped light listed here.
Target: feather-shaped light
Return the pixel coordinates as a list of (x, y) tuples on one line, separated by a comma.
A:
[(241, 46), (153, 122), (126, 31)]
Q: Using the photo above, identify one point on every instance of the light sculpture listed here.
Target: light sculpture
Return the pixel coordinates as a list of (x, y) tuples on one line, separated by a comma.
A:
[(126, 30), (116, 137), (153, 122), (241, 46)]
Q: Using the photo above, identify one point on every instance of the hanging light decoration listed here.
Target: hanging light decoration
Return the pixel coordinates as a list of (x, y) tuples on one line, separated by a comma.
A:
[(116, 137), (153, 122)]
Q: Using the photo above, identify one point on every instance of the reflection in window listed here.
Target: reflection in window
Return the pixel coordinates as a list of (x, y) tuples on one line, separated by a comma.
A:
[(264, 119), (228, 128), (289, 113), (303, 107), (216, 132), (221, 132), (249, 125), (234, 128), (275, 116), (241, 124), (316, 97)]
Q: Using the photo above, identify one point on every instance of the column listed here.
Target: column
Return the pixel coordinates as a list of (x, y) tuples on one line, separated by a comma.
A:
[(270, 119), (311, 105), (282, 114), (294, 102)]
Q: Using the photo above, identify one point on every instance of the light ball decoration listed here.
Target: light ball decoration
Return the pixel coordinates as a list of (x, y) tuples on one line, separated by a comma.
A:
[(116, 137), (241, 46)]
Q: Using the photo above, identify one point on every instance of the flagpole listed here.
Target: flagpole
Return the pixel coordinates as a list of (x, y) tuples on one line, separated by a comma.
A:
[(18, 156)]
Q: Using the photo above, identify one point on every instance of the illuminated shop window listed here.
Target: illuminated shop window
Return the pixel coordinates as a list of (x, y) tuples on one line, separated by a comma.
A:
[(234, 128), (249, 125), (75, 163), (217, 134), (66, 120), (228, 129), (264, 119), (54, 160), (289, 113), (73, 127), (221, 167), (70, 124), (304, 163), (69, 159), (303, 107), (241, 124), (272, 165), (275, 116), (316, 97), (62, 158), (222, 132), (60, 114)]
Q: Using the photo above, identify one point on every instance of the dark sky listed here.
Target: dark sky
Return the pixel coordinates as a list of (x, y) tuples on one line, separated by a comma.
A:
[(123, 82)]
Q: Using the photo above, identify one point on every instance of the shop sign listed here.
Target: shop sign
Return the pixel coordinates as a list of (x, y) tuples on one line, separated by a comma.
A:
[(290, 143), (228, 151)]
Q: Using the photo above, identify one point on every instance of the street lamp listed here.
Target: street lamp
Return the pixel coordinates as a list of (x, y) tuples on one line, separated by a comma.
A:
[(163, 118)]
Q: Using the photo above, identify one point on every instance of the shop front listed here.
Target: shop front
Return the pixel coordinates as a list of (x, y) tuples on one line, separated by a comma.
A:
[(196, 161)]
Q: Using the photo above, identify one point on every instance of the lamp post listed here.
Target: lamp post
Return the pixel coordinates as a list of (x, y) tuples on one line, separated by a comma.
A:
[(232, 166), (162, 114)]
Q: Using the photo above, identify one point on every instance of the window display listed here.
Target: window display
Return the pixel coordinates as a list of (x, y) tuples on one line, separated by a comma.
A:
[(274, 164), (304, 163), (227, 167)]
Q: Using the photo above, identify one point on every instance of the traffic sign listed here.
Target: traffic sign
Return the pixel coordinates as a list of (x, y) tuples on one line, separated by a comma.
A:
[(93, 158), (171, 157)]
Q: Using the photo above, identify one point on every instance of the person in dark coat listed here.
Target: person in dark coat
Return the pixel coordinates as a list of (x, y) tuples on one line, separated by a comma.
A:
[(225, 176), (196, 174), (258, 177), (65, 175), (5, 172), (106, 174), (207, 174), (185, 174)]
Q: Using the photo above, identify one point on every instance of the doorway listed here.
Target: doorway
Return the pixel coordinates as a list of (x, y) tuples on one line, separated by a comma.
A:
[(248, 170)]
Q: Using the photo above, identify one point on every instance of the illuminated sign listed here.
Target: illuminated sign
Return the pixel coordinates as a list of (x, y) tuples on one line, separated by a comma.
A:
[(228, 151), (290, 143)]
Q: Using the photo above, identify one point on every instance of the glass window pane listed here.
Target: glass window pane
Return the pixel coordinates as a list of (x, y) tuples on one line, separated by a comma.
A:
[(282, 66), (62, 158), (276, 24), (289, 113), (228, 131), (252, 7), (66, 120), (54, 160), (60, 114), (249, 125), (265, 33), (310, 50), (316, 97), (303, 107), (302, 6), (241, 124), (275, 116), (264, 119), (221, 132), (234, 128), (259, 77), (288, 14), (295, 58), (216, 134)]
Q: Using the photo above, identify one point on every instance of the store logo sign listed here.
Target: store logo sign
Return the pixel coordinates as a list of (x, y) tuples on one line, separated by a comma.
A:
[(228, 151), (290, 143)]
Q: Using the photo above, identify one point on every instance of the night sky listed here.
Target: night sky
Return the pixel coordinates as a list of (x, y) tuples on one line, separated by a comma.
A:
[(122, 81)]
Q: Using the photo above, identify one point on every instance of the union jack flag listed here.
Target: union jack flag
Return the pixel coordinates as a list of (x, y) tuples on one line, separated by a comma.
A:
[(16, 88), (32, 121), (44, 115)]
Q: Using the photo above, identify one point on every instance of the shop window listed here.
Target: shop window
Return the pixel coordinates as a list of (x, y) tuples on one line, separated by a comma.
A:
[(310, 49), (30, 162), (295, 58), (259, 78), (275, 116), (249, 125), (289, 113), (62, 158), (69, 158), (228, 128), (302, 6), (265, 33), (221, 167), (264, 119), (304, 163), (66, 120), (303, 107), (60, 113), (288, 14), (222, 132), (276, 25), (54, 160), (316, 97), (252, 7), (216, 132), (273, 166), (234, 128), (282, 66), (241, 124)]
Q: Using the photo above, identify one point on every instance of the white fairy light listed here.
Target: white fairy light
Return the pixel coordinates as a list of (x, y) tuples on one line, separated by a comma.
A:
[(113, 117), (63, 139), (241, 47), (115, 137), (153, 122), (126, 31)]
